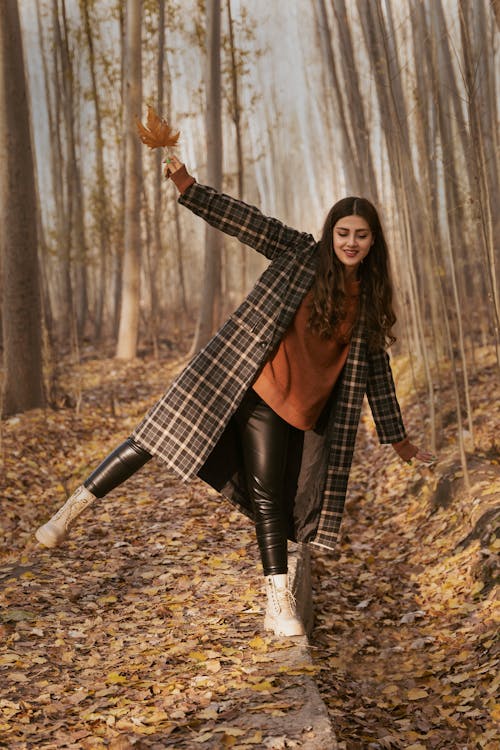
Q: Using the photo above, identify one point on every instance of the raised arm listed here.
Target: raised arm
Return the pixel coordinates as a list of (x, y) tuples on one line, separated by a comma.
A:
[(234, 217)]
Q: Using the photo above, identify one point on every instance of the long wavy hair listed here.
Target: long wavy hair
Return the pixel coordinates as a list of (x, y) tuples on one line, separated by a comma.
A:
[(329, 294)]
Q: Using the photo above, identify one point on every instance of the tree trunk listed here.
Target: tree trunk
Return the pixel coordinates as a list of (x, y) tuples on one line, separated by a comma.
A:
[(236, 117), (73, 180), (154, 256), (118, 253), (209, 316), (21, 308), (101, 206), (62, 221), (129, 315), (367, 184), (350, 161)]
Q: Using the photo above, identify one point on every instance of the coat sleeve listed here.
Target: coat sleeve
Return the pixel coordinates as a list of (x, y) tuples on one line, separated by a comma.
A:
[(382, 398), (238, 219)]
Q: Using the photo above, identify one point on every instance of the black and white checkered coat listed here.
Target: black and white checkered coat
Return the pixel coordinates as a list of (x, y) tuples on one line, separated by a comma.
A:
[(190, 427)]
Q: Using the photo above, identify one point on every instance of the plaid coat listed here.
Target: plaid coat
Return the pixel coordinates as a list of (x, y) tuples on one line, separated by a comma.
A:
[(191, 426)]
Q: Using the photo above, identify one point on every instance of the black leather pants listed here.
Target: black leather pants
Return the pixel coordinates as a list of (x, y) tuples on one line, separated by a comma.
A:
[(117, 467), (266, 440)]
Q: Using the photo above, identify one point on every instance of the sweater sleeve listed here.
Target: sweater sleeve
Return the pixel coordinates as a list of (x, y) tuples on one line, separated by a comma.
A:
[(248, 224), (182, 179)]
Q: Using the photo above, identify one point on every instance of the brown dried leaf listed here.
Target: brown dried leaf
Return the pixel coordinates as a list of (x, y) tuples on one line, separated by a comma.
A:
[(157, 133)]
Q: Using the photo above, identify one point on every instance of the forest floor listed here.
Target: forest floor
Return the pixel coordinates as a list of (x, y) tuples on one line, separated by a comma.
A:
[(144, 629)]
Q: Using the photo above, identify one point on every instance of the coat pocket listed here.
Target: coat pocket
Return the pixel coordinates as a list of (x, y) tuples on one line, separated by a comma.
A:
[(254, 321)]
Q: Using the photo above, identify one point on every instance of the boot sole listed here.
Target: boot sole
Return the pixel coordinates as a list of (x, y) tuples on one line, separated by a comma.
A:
[(270, 625), (47, 537)]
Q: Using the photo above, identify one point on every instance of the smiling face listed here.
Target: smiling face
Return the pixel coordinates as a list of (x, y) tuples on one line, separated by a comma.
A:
[(352, 240)]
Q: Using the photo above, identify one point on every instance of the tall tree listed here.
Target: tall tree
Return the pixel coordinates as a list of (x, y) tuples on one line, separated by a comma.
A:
[(21, 309), (101, 189), (209, 313), (74, 188), (235, 109), (129, 314)]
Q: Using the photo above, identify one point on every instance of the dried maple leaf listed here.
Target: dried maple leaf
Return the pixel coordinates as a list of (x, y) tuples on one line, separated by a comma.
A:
[(157, 133)]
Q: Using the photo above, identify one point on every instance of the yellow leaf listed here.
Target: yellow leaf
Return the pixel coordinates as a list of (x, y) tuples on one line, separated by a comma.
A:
[(263, 686), (107, 599), (258, 643), (197, 655), (231, 731), (300, 669), (8, 658), (416, 694), (255, 739), (495, 712), (114, 678)]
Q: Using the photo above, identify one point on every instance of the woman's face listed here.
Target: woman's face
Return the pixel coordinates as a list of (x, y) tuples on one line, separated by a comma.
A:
[(352, 240)]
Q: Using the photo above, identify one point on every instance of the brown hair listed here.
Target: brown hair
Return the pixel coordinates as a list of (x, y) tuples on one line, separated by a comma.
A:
[(329, 297)]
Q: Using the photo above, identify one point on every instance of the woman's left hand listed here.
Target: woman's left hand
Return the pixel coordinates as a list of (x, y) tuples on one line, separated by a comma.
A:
[(424, 457)]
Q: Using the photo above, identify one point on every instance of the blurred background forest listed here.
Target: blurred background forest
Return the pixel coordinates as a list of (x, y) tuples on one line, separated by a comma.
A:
[(289, 106)]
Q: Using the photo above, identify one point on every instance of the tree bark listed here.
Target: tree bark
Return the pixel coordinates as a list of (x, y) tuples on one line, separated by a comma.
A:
[(21, 308), (350, 162), (236, 117), (101, 206), (129, 316), (73, 180), (209, 316)]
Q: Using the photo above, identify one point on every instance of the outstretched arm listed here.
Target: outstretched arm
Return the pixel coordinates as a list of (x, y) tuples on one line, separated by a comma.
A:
[(234, 217), (384, 405)]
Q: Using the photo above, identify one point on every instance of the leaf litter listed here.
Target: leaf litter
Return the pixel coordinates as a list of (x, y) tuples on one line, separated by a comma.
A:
[(144, 629), (407, 608)]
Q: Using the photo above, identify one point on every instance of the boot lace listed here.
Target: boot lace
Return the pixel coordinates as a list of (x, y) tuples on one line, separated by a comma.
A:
[(77, 505)]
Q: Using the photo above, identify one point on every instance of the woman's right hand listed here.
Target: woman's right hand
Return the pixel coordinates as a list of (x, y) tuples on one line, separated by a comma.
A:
[(172, 165)]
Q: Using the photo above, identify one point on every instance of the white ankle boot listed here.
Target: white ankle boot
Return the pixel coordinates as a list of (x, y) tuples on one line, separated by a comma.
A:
[(52, 533), (281, 615)]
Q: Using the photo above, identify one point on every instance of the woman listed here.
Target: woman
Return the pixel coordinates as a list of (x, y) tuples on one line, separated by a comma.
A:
[(267, 412)]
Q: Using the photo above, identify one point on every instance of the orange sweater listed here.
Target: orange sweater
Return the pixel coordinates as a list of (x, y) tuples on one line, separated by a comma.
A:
[(298, 379)]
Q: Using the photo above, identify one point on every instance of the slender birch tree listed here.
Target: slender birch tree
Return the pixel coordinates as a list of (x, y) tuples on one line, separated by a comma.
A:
[(209, 313), (130, 299)]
